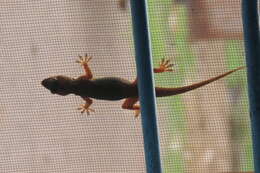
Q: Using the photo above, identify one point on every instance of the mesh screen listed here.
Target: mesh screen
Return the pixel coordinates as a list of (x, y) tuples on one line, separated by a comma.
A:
[(204, 130)]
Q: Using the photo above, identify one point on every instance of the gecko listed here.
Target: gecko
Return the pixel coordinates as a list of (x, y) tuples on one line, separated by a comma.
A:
[(115, 88)]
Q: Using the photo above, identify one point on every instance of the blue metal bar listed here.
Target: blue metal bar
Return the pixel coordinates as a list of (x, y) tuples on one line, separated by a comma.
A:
[(252, 49), (146, 85)]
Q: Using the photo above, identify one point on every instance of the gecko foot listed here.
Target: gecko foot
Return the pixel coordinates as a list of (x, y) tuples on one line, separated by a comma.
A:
[(84, 60), (164, 66), (85, 108), (137, 113)]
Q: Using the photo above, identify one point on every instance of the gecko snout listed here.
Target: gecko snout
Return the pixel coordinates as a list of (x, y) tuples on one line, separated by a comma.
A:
[(58, 85), (50, 84)]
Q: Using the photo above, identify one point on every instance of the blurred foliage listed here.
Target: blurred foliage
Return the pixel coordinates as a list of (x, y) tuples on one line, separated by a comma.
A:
[(166, 43), (235, 57), (159, 13)]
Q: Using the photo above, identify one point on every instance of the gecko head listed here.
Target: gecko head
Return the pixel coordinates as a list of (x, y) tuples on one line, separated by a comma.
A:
[(58, 85)]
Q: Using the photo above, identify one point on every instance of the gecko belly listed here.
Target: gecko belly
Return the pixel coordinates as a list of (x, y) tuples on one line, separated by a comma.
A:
[(109, 88)]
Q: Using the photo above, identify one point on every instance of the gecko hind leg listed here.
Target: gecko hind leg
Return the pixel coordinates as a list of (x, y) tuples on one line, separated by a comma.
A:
[(130, 104), (164, 66)]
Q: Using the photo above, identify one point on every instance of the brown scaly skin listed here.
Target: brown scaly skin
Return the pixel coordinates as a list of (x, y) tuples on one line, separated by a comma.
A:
[(113, 88)]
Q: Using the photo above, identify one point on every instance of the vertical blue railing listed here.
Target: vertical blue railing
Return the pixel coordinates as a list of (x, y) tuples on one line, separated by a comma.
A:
[(252, 49), (146, 85)]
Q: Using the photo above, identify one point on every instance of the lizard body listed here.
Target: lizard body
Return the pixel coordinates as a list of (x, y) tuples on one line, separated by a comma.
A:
[(106, 88), (113, 88)]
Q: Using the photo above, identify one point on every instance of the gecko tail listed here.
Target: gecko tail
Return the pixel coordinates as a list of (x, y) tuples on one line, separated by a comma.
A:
[(162, 92)]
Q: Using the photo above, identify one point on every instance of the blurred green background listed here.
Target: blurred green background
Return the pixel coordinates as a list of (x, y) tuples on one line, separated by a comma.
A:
[(174, 41)]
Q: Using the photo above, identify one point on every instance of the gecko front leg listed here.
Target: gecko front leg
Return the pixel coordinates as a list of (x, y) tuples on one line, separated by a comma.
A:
[(86, 107), (88, 75), (84, 62)]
